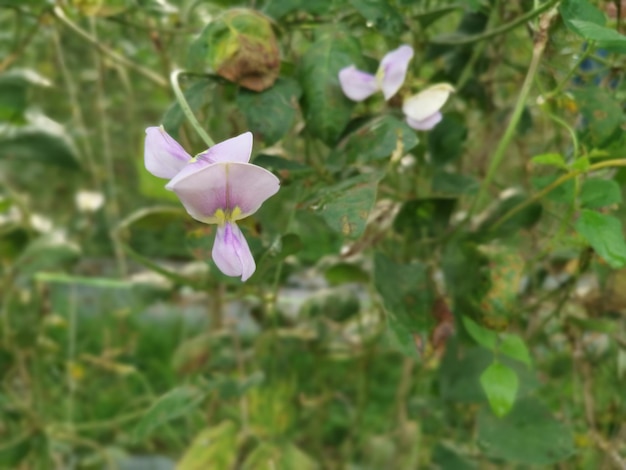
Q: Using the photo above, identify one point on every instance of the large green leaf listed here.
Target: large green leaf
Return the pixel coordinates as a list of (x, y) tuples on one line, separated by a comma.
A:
[(423, 218), (604, 37), (270, 113), (597, 192), (604, 234), (377, 139), (573, 10), (406, 292), (446, 140), (326, 108), (346, 206), (528, 435)]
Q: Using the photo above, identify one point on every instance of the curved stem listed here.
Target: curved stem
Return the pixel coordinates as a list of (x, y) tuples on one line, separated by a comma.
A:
[(147, 73), (555, 184), (498, 156), (184, 105), (459, 41)]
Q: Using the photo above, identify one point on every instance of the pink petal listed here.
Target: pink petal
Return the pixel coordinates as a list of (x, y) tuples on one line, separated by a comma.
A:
[(163, 156), (237, 149), (357, 85), (425, 124), (231, 253), (204, 188), (393, 69)]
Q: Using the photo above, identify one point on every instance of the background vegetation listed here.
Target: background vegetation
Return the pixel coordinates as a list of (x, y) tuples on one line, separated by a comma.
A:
[(449, 299)]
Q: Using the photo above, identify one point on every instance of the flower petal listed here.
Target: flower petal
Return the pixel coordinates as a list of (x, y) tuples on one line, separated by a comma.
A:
[(425, 124), (427, 102), (231, 252), (357, 85), (205, 188), (236, 149), (163, 156), (393, 69)]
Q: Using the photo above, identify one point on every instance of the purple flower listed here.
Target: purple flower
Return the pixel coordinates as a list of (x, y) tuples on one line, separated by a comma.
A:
[(422, 110), (358, 85), (218, 186)]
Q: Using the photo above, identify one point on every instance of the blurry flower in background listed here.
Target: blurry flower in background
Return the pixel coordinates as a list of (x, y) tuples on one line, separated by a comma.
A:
[(422, 110), (218, 186), (358, 85), (89, 201)]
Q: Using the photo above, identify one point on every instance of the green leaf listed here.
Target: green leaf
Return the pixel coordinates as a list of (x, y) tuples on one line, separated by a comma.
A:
[(279, 8), (604, 234), (447, 139), (14, 85), (46, 253), (214, 448), (514, 347), (326, 108), (278, 457), (500, 384), (420, 218), (406, 293), (550, 159), (346, 206), (14, 450), (42, 143), (342, 273), (174, 117), (270, 113), (522, 219), (580, 164), (381, 15), (572, 10), (604, 37), (597, 192), (454, 184), (178, 402), (377, 139), (483, 336), (602, 112), (528, 435), (337, 303)]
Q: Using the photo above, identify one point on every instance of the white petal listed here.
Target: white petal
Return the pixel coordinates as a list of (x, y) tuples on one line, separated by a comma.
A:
[(427, 102), (231, 252), (236, 149), (163, 156), (393, 69), (356, 84), (425, 124)]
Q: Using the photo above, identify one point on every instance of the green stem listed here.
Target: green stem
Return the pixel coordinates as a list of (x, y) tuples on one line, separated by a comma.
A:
[(147, 73), (184, 105), (459, 41), (556, 184), (575, 68), (498, 156)]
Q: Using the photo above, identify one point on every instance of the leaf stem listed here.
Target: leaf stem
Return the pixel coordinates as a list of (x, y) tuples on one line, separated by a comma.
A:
[(147, 73), (555, 184), (184, 106), (463, 40)]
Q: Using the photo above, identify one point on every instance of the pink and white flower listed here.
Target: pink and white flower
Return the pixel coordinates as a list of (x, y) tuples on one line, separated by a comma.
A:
[(218, 186)]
